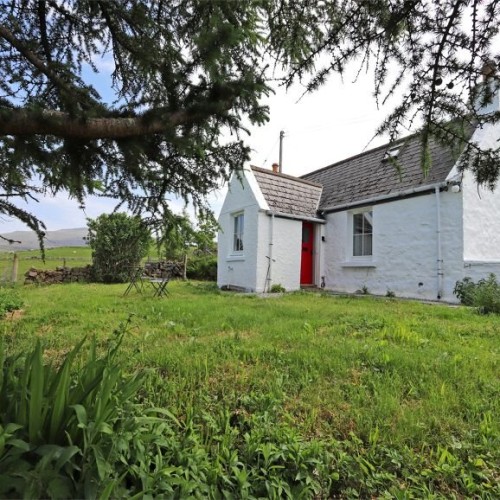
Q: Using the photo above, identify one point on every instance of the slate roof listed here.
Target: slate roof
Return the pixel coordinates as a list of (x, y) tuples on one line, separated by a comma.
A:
[(288, 195), (367, 175)]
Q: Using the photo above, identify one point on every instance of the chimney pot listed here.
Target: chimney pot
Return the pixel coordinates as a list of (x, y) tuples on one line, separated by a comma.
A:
[(276, 168), (488, 71)]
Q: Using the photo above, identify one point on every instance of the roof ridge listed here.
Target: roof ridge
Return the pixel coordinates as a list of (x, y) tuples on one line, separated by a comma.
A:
[(286, 176)]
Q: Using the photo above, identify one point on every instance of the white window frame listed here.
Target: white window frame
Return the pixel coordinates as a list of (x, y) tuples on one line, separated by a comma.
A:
[(238, 233), (351, 235)]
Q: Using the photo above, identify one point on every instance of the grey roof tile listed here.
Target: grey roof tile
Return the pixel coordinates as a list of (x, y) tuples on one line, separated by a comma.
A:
[(288, 195), (368, 175)]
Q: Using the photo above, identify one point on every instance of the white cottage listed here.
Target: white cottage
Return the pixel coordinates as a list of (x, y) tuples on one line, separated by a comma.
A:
[(357, 225), (262, 221)]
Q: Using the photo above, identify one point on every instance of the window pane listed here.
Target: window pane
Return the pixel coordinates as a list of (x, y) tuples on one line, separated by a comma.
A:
[(357, 245), (305, 234), (238, 233), (367, 247), (358, 223), (367, 218), (362, 234)]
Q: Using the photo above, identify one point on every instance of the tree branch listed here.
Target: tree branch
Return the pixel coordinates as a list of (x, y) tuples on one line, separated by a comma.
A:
[(9, 240), (23, 122), (437, 59)]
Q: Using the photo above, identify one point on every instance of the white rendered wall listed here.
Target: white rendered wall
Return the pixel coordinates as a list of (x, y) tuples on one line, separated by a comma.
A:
[(482, 212), (286, 252), (248, 270), (233, 268), (404, 249)]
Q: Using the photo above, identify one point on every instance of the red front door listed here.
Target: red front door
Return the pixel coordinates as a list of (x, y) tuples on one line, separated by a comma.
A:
[(306, 265)]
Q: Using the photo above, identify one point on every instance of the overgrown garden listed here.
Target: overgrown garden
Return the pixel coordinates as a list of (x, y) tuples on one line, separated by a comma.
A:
[(213, 394)]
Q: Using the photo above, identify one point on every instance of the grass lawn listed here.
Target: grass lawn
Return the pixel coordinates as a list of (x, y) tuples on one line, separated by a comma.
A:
[(405, 395)]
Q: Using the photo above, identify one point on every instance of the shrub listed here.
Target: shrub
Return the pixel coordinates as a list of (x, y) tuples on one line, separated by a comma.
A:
[(202, 268), (118, 243), (9, 300), (277, 288), (485, 294), (464, 290)]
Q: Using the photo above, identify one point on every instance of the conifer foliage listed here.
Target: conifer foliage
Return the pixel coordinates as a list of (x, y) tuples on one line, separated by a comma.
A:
[(187, 71), (184, 72), (435, 54)]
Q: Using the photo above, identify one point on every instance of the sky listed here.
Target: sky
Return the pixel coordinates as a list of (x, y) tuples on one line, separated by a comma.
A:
[(337, 121)]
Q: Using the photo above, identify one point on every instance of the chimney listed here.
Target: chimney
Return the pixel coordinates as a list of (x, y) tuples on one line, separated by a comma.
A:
[(487, 93), (489, 70), (276, 168)]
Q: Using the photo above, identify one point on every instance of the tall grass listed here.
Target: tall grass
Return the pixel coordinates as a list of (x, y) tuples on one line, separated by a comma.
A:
[(395, 396)]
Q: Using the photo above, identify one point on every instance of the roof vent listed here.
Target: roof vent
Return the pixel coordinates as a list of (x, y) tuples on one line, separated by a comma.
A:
[(391, 153)]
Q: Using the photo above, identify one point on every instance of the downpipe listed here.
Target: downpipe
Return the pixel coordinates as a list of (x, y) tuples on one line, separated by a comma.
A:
[(267, 286), (440, 271)]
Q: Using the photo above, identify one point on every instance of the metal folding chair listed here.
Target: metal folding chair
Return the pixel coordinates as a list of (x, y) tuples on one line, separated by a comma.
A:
[(136, 281), (160, 286)]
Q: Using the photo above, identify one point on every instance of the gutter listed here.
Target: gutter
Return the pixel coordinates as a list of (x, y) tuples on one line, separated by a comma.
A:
[(384, 198), (294, 217)]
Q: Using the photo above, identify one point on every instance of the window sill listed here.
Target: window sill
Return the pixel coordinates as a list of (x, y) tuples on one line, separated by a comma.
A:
[(359, 263), (235, 258)]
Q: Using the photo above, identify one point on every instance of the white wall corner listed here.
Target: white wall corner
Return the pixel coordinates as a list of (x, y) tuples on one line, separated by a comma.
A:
[(486, 137)]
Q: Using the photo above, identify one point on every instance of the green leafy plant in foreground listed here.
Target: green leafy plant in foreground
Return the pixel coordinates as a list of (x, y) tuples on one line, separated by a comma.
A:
[(58, 423), (79, 431)]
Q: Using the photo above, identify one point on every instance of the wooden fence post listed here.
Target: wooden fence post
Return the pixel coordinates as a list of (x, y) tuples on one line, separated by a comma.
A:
[(15, 267)]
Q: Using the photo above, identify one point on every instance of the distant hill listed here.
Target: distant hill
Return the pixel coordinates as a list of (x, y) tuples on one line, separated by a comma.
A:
[(61, 238)]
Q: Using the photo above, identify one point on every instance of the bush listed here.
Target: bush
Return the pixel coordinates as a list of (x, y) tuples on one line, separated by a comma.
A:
[(277, 288), (464, 290), (9, 300), (202, 268), (485, 294), (118, 243)]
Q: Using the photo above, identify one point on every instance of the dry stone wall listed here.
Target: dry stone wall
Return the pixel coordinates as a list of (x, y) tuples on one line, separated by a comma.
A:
[(164, 268), (84, 274), (60, 275)]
